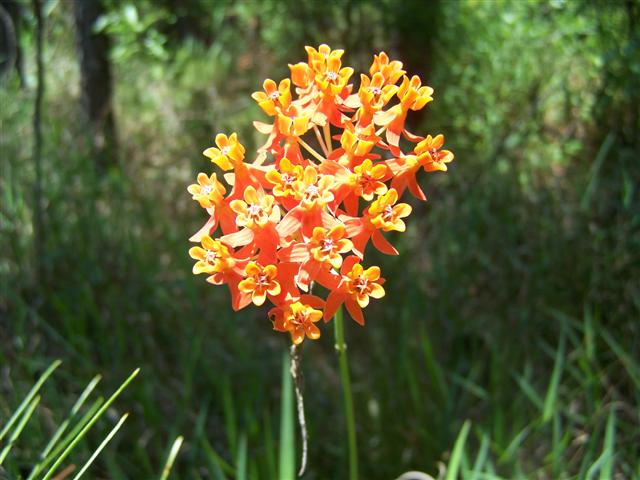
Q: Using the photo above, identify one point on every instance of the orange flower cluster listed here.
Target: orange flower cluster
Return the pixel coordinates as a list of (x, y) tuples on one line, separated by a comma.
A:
[(325, 183)]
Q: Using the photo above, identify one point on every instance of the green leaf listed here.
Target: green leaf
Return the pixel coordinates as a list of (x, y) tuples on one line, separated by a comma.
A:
[(458, 451), (173, 453), (103, 444), (30, 395)]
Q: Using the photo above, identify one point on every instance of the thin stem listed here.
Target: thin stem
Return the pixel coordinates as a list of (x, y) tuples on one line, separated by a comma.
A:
[(327, 136), (341, 348), (297, 382), (320, 140), (380, 130), (38, 219), (309, 149)]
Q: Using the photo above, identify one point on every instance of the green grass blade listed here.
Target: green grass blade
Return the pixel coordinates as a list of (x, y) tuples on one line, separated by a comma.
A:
[(21, 424), (287, 462), (104, 443), (609, 445), (64, 425), (229, 416), (458, 450), (552, 393), (86, 428), (173, 453), (68, 438), (29, 397), (529, 391), (216, 463), (241, 460), (633, 369), (481, 458), (514, 446)]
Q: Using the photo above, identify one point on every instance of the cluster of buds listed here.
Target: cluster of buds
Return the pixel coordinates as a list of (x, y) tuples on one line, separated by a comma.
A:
[(327, 181)]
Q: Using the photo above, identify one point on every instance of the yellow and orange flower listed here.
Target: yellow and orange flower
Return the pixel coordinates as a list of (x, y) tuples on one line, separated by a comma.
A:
[(366, 179), (291, 217), (212, 257), (229, 153), (386, 215), (284, 179), (256, 210), (327, 245), (299, 320), (314, 190), (274, 97), (430, 155), (259, 282), (208, 192), (362, 284)]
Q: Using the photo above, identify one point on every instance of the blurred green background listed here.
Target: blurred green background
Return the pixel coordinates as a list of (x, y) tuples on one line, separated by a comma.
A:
[(514, 302)]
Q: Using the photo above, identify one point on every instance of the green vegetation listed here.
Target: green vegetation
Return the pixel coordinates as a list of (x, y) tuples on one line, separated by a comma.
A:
[(508, 344)]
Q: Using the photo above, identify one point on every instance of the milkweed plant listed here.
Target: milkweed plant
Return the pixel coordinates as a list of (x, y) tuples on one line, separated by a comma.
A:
[(301, 212), (326, 182)]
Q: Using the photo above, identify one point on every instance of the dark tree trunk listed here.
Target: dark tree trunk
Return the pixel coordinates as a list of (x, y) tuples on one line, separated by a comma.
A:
[(10, 47), (97, 87)]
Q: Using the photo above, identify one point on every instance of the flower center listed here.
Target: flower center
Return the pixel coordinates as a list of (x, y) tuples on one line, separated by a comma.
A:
[(287, 179), (312, 191), (375, 90), (207, 189), (388, 212), (225, 150), (299, 318), (255, 210), (332, 76), (274, 95), (361, 284), (210, 256), (327, 245)]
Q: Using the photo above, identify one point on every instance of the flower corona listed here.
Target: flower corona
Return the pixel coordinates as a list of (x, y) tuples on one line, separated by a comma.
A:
[(296, 220)]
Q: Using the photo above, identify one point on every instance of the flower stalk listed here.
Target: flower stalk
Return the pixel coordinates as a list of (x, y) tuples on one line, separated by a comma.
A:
[(345, 380)]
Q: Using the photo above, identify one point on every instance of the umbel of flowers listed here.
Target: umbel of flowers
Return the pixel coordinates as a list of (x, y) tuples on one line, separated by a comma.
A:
[(301, 211)]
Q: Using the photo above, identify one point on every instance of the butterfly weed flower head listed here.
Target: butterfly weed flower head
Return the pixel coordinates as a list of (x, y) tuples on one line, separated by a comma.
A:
[(329, 179)]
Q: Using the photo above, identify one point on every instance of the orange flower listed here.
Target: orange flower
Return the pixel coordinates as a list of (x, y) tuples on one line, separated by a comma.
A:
[(374, 93), (319, 59), (283, 180), (358, 141), (274, 96), (314, 191), (229, 152), (259, 282), (430, 156), (213, 257), (293, 122), (256, 210), (353, 288), (413, 95), (298, 319), (208, 192), (391, 71), (366, 179), (386, 215), (327, 245), (361, 284)]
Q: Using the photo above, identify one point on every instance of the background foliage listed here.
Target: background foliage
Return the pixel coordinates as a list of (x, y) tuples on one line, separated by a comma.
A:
[(514, 302)]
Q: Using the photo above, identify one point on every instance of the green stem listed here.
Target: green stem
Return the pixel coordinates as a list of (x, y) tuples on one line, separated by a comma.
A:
[(341, 347)]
